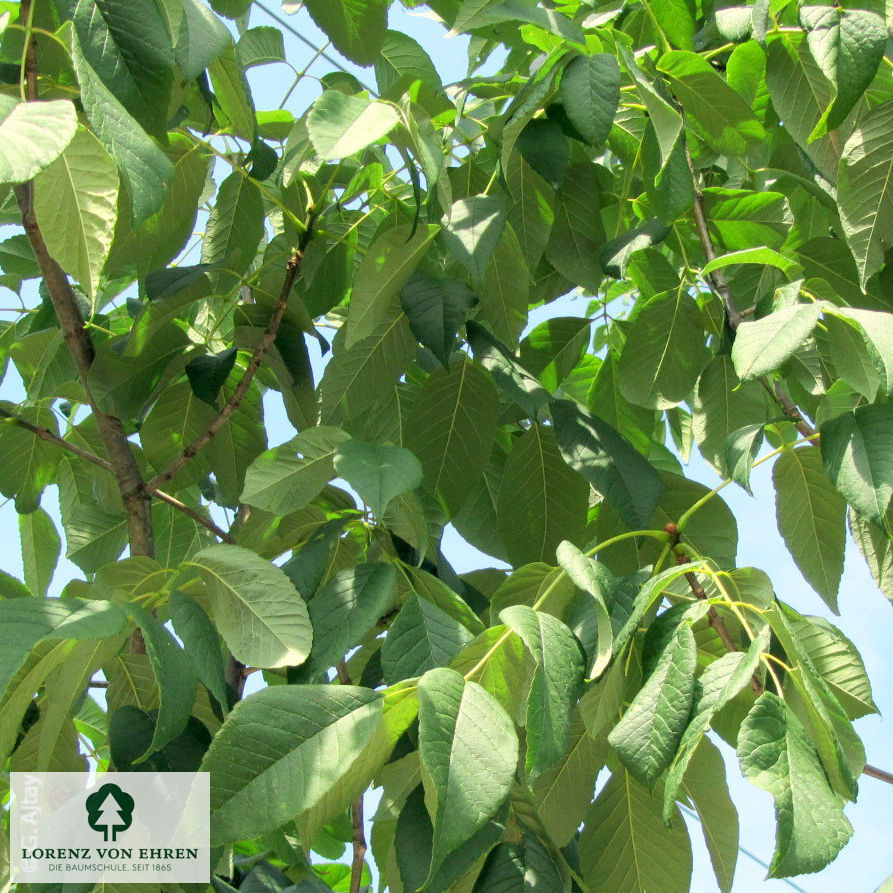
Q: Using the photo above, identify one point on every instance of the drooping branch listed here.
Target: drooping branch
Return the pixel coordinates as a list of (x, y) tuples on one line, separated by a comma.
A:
[(291, 275), (730, 645)]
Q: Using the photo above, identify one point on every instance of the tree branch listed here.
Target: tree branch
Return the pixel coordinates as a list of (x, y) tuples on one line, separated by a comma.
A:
[(292, 271), (356, 813), (733, 315), (717, 277), (137, 502), (50, 437), (730, 645), (198, 517), (715, 620)]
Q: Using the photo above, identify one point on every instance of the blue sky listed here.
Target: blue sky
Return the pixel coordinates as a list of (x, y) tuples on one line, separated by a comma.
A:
[(865, 614)]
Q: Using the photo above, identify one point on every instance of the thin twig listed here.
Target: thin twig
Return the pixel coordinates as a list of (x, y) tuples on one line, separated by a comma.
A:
[(879, 774), (50, 437), (198, 517), (717, 277), (356, 812), (231, 405)]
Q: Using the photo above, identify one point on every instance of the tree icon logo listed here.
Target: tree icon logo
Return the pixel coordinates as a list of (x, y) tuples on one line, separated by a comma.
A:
[(110, 810)]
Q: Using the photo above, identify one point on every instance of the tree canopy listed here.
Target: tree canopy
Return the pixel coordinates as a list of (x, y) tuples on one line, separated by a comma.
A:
[(714, 184)]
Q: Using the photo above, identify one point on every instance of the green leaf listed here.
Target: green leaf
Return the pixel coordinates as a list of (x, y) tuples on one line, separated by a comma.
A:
[(356, 377), (743, 218), (40, 550), (585, 574), (865, 190), (647, 737), (294, 740), (208, 373), (467, 742), (763, 345), (32, 136), (762, 256), (848, 45), (876, 545), (676, 19), (173, 673), (471, 231), (436, 309), (555, 347), (201, 644), (255, 607), (520, 868), (421, 637), (356, 27), (590, 91), (532, 212), (29, 462), (63, 693), (340, 125), (635, 423), (719, 115), (25, 622), (201, 38), (720, 682), (666, 119), (563, 794), (608, 462), (723, 405), (664, 352), (615, 255), (346, 608), (708, 789), (800, 95), (777, 755), (260, 46), (451, 427), (403, 62), (235, 226), (877, 331), (837, 661), (233, 106), (625, 845), (541, 500), (554, 687), (94, 537), (144, 168), (381, 275), (857, 450), (412, 844), (506, 289), (286, 478), (379, 473), (578, 234), (128, 47), (811, 519)]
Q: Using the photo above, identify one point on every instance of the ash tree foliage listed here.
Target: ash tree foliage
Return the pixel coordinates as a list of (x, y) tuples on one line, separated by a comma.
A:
[(716, 187)]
